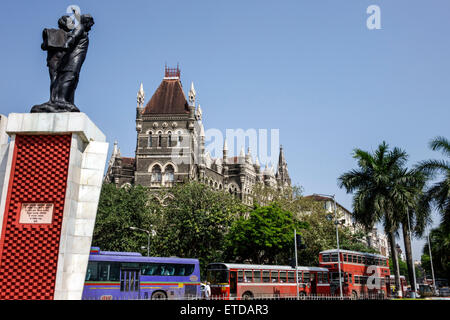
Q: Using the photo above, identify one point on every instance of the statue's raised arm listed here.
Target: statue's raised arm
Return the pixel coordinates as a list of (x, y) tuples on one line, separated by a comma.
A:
[(67, 50)]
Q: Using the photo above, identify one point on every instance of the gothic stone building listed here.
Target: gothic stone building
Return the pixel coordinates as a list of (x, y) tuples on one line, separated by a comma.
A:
[(170, 148)]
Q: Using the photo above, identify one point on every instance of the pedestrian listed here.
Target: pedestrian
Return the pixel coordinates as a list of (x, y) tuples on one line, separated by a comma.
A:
[(207, 291)]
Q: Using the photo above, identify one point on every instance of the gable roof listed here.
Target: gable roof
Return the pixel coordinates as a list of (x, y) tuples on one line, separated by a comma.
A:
[(169, 98)]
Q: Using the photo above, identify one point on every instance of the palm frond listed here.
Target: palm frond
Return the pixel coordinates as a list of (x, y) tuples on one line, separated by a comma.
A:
[(442, 144)]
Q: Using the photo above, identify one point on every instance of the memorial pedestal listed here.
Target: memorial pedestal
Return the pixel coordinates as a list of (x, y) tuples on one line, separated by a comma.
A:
[(51, 174)]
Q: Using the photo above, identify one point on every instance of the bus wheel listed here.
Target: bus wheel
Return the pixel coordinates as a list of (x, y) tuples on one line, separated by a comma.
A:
[(247, 295), (303, 294), (159, 295), (354, 295)]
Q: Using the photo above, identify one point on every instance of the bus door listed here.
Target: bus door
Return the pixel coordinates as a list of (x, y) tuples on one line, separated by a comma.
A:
[(129, 283), (313, 283), (233, 283)]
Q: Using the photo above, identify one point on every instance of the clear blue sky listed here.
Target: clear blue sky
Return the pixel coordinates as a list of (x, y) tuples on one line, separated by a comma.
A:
[(309, 68)]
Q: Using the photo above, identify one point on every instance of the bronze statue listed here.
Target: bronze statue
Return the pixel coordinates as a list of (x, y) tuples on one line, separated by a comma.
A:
[(66, 51)]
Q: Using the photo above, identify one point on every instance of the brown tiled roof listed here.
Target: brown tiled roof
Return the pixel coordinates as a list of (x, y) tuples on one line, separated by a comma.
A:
[(319, 198), (168, 98), (127, 161)]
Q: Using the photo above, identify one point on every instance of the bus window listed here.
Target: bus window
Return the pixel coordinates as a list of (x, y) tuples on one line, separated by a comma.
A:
[(266, 276), (217, 276), (274, 276), (349, 258), (163, 269), (306, 277), (319, 277), (355, 259), (345, 257), (240, 276), (334, 257), (91, 273), (291, 276), (363, 260), (103, 274), (282, 276), (326, 258), (359, 259), (114, 273), (350, 278), (248, 276), (256, 276)]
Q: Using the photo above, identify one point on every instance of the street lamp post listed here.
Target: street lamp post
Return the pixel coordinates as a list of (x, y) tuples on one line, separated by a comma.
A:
[(336, 222), (149, 234)]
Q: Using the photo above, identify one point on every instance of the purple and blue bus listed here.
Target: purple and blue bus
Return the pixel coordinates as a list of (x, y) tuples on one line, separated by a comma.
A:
[(129, 275)]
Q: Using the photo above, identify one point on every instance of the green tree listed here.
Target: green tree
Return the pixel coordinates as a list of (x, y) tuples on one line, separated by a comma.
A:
[(319, 233), (118, 210), (193, 222), (265, 236), (384, 190), (439, 193), (440, 250)]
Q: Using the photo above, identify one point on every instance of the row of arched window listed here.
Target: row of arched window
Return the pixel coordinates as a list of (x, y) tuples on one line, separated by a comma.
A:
[(158, 174), (159, 134)]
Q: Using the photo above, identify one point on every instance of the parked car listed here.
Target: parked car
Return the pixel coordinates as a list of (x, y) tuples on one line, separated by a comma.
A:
[(444, 292)]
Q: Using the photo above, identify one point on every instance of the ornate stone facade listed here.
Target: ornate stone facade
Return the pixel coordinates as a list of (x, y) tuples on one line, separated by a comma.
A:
[(170, 148)]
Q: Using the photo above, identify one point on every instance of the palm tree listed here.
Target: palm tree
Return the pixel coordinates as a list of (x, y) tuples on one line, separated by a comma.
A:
[(439, 193), (412, 214), (383, 192)]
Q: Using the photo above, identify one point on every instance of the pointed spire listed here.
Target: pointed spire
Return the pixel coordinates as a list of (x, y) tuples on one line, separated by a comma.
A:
[(141, 96), (115, 150), (192, 94), (242, 153), (257, 162), (225, 145), (248, 156), (202, 130), (282, 173), (199, 113)]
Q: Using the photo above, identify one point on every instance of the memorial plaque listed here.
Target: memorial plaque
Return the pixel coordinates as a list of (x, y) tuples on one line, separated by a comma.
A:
[(36, 213)]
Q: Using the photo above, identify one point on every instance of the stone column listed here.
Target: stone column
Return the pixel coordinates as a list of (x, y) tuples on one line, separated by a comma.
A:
[(50, 187)]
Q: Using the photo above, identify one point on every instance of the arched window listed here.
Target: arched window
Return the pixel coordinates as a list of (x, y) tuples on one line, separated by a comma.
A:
[(169, 174), (149, 144), (156, 173), (179, 139), (159, 139), (169, 139)]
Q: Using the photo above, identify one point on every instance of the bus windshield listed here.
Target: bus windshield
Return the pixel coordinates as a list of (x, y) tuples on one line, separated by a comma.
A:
[(217, 276)]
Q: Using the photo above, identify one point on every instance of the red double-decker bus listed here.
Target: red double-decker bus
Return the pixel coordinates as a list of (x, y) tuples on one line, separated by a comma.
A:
[(362, 274), (246, 281)]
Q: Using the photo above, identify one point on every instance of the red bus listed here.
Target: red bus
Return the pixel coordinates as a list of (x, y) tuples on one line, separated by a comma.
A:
[(246, 281), (362, 274)]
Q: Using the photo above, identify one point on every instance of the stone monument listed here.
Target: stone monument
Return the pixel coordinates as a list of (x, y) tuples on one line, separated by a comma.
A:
[(52, 162)]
